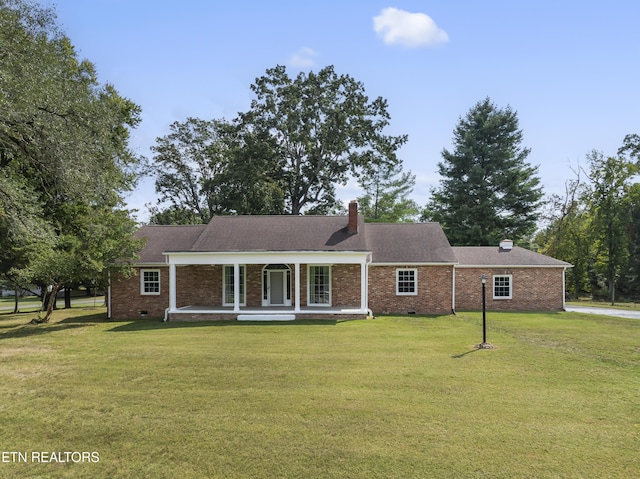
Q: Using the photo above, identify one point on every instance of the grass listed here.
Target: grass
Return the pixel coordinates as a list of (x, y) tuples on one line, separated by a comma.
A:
[(394, 397), (604, 304)]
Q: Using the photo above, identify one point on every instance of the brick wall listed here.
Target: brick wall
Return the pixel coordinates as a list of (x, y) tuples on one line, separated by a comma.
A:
[(533, 289), (345, 285), (201, 285), (128, 303), (434, 290), (198, 285)]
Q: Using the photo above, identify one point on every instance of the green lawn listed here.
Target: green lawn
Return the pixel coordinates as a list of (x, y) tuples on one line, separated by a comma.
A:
[(393, 397), (605, 304)]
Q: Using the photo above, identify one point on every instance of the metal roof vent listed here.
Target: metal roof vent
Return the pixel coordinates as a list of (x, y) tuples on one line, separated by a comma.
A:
[(506, 245)]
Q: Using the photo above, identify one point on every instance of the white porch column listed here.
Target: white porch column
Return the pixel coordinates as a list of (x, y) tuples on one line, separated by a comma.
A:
[(297, 288), (236, 288), (363, 285), (172, 287)]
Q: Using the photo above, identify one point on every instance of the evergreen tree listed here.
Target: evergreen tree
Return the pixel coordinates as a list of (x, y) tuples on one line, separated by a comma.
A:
[(488, 191), (386, 199)]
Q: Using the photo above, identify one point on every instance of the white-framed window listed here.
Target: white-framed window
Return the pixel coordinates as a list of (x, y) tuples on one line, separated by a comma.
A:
[(149, 281), (407, 282), (228, 285), (502, 286), (319, 287)]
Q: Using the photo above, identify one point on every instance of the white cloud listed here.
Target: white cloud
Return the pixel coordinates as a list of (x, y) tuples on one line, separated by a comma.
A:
[(397, 27), (303, 58)]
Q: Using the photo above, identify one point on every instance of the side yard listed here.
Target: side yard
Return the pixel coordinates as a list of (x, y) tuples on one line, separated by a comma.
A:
[(390, 397)]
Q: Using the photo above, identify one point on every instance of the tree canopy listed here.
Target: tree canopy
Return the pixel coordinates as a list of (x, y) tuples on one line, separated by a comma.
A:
[(488, 191), (300, 139), (594, 226), (64, 155), (386, 195)]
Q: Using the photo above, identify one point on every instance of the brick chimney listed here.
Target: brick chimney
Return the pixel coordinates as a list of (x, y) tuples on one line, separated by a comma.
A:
[(352, 227)]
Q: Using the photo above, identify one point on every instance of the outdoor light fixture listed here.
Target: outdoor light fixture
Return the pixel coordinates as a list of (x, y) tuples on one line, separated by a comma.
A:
[(484, 344)]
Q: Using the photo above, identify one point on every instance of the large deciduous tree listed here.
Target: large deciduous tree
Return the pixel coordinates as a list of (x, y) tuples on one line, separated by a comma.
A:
[(319, 129), (207, 168), (300, 139), (488, 191), (567, 234), (64, 156), (609, 200)]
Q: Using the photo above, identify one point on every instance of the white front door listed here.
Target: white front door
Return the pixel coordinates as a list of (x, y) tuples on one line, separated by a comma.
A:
[(276, 288)]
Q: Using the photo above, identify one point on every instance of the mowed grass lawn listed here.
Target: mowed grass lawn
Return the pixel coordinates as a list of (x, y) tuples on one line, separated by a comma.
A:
[(393, 397)]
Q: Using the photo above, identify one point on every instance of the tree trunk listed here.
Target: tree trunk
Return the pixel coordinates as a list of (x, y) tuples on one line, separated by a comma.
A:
[(612, 287), (16, 301), (49, 303), (67, 298)]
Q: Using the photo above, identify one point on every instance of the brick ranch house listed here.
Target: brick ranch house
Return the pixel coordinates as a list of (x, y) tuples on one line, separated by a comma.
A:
[(288, 267)]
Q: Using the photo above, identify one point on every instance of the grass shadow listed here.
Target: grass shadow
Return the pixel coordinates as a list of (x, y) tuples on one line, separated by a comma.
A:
[(155, 324), (29, 330), (89, 318), (462, 355)]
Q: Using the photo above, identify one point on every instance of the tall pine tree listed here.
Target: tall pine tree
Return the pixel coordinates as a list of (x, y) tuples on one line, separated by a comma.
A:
[(386, 199), (488, 191)]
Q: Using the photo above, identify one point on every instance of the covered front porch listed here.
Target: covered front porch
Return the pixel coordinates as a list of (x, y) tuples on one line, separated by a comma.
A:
[(194, 313), (275, 286)]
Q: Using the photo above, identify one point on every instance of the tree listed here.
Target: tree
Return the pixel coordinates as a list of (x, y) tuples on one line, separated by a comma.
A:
[(631, 147), (189, 160), (386, 199), (608, 198), (567, 235), (63, 151), (317, 130), (487, 192), (208, 168)]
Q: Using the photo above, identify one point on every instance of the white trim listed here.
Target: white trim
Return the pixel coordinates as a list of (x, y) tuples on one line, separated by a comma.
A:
[(363, 285), (286, 285), (297, 287), (415, 282), (172, 286), (564, 288), (236, 284), (319, 305), (509, 266), (453, 290), (405, 263), (493, 286), (268, 257), (142, 282)]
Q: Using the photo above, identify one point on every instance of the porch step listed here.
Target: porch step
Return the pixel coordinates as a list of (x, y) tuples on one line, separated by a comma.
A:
[(266, 317)]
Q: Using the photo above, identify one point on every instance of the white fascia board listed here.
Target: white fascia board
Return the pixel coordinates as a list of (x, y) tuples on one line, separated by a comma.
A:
[(503, 266), (266, 257), (412, 264)]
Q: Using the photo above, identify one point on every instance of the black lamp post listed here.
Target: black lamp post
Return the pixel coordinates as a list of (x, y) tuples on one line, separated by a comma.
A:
[(483, 278), (484, 344)]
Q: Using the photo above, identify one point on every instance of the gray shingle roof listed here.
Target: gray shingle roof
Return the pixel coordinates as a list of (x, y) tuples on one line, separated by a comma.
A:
[(166, 238), (408, 243), (388, 243), (279, 233), (494, 256)]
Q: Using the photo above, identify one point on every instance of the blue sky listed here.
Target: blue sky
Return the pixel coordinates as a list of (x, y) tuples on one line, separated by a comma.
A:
[(569, 68)]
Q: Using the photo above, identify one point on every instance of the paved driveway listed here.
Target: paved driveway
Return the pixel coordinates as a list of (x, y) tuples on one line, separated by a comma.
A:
[(620, 313)]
